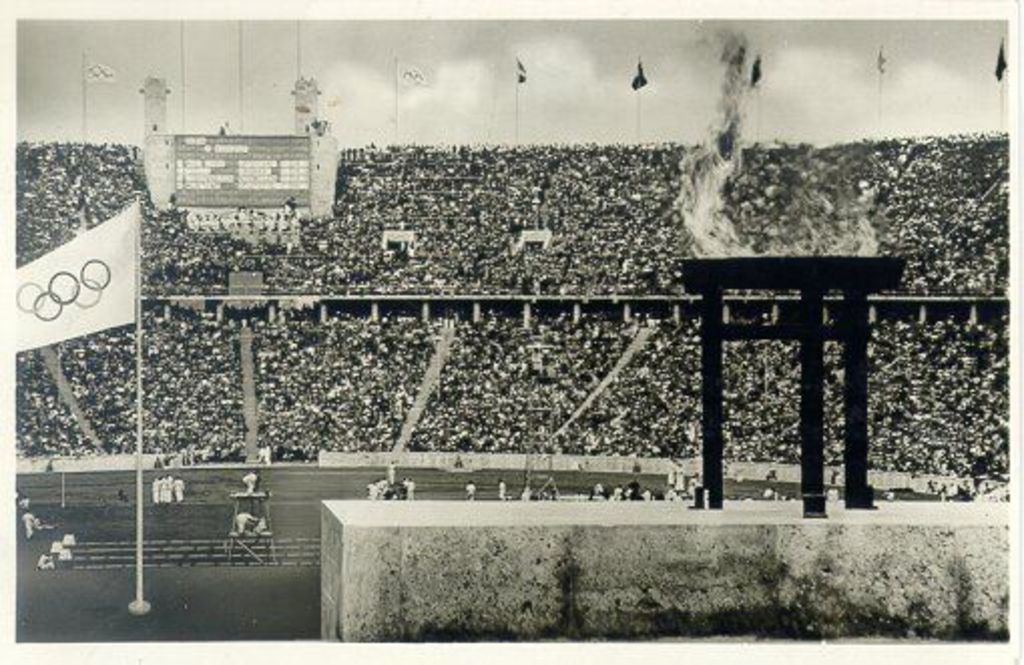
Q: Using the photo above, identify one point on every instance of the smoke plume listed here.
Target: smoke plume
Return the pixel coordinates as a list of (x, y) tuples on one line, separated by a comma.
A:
[(813, 208), (705, 170)]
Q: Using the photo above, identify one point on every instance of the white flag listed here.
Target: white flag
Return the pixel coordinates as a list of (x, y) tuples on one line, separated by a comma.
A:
[(413, 76), (84, 286), (97, 73)]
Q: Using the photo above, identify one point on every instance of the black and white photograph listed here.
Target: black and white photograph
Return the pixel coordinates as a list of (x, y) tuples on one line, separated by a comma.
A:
[(429, 327)]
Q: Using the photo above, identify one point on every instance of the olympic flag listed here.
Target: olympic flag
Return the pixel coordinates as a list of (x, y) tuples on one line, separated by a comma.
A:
[(83, 286)]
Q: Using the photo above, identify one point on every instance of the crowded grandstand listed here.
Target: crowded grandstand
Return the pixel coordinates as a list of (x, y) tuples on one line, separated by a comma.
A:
[(327, 373)]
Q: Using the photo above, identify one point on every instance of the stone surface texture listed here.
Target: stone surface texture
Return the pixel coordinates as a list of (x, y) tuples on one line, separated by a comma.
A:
[(439, 571)]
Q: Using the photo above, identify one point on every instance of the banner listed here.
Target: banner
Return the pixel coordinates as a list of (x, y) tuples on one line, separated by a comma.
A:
[(84, 286)]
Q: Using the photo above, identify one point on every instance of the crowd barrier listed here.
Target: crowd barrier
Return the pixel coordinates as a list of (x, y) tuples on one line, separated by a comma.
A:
[(82, 464), (503, 461), (787, 473)]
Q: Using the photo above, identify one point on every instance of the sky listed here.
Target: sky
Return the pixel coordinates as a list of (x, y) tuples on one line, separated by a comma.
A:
[(820, 79)]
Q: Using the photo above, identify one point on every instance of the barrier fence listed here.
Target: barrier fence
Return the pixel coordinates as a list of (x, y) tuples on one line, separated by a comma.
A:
[(468, 462)]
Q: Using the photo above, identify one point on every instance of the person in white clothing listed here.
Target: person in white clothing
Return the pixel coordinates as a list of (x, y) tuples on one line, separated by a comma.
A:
[(45, 562), (470, 491), (33, 524), (243, 521), (179, 490), (502, 490), (166, 489), (251, 481), (156, 490), (391, 473)]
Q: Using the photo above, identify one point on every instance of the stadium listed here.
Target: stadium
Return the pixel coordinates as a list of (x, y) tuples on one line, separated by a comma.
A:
[(377, 322)]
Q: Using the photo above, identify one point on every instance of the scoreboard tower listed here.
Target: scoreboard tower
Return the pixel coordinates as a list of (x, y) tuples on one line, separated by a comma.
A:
[(213, 171)]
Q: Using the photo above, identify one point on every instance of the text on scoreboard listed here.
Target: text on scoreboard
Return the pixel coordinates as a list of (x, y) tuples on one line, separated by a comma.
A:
[(252, 171)]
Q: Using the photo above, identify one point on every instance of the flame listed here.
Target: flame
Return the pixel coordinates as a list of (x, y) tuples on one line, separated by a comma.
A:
[(817, 219), (705, 170)]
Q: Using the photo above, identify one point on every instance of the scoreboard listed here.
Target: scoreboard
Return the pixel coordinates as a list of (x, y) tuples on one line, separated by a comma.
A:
[(250, 171)]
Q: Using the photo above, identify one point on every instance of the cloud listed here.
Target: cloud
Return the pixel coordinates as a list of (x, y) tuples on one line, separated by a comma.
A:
[(359, 103)]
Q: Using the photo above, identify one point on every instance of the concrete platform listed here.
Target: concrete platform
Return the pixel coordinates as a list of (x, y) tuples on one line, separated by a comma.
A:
[(397, 571)]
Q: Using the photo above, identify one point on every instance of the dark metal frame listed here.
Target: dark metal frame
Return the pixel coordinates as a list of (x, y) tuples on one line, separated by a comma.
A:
[(813, 277)]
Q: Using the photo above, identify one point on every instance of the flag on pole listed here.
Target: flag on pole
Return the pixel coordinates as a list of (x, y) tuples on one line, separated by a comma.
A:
[(97, 73), (413, 76), (755, 72), (520, 71), (881, 61), (639, 80), (83, 286), (1001, 63)]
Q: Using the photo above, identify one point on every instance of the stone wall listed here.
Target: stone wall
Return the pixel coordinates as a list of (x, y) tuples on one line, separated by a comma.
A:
[(323, 174), (423, 571), (158, 162)]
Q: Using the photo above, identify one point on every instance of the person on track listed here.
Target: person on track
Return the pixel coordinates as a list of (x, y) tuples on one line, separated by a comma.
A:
[(166, 489), (32, 525), (179, 490), (243, 522), (502, 490), (251, 481), (471, 491)]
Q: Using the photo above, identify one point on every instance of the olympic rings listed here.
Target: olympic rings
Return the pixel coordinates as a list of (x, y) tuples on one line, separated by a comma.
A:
[(55, 296), (95, 286), (65, 288)]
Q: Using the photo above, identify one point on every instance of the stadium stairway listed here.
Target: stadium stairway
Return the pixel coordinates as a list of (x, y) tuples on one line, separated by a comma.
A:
[(67, 395), (430, 380), (248, 392), (636, 345)]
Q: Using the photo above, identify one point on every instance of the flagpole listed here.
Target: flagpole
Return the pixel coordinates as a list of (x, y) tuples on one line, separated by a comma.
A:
[(85, 104), (757, 137), (879, 113), (396, 100), (181, 53), (517, 84), (139, 606), (241, 92), (638, 93), (1002, 104)]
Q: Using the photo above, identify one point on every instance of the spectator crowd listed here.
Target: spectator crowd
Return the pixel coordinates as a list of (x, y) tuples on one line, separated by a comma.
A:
[(939, 389)]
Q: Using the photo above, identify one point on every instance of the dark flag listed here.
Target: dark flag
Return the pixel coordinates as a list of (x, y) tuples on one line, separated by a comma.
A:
[(755, 72), (1000, 63), (639, 80), (520, 72), (881, 61)]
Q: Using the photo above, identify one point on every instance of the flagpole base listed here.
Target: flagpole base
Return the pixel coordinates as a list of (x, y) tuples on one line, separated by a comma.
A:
[(139, 607)]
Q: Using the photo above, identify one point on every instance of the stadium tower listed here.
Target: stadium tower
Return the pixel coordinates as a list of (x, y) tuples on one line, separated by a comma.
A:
[(306, 96), (154, 92)]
